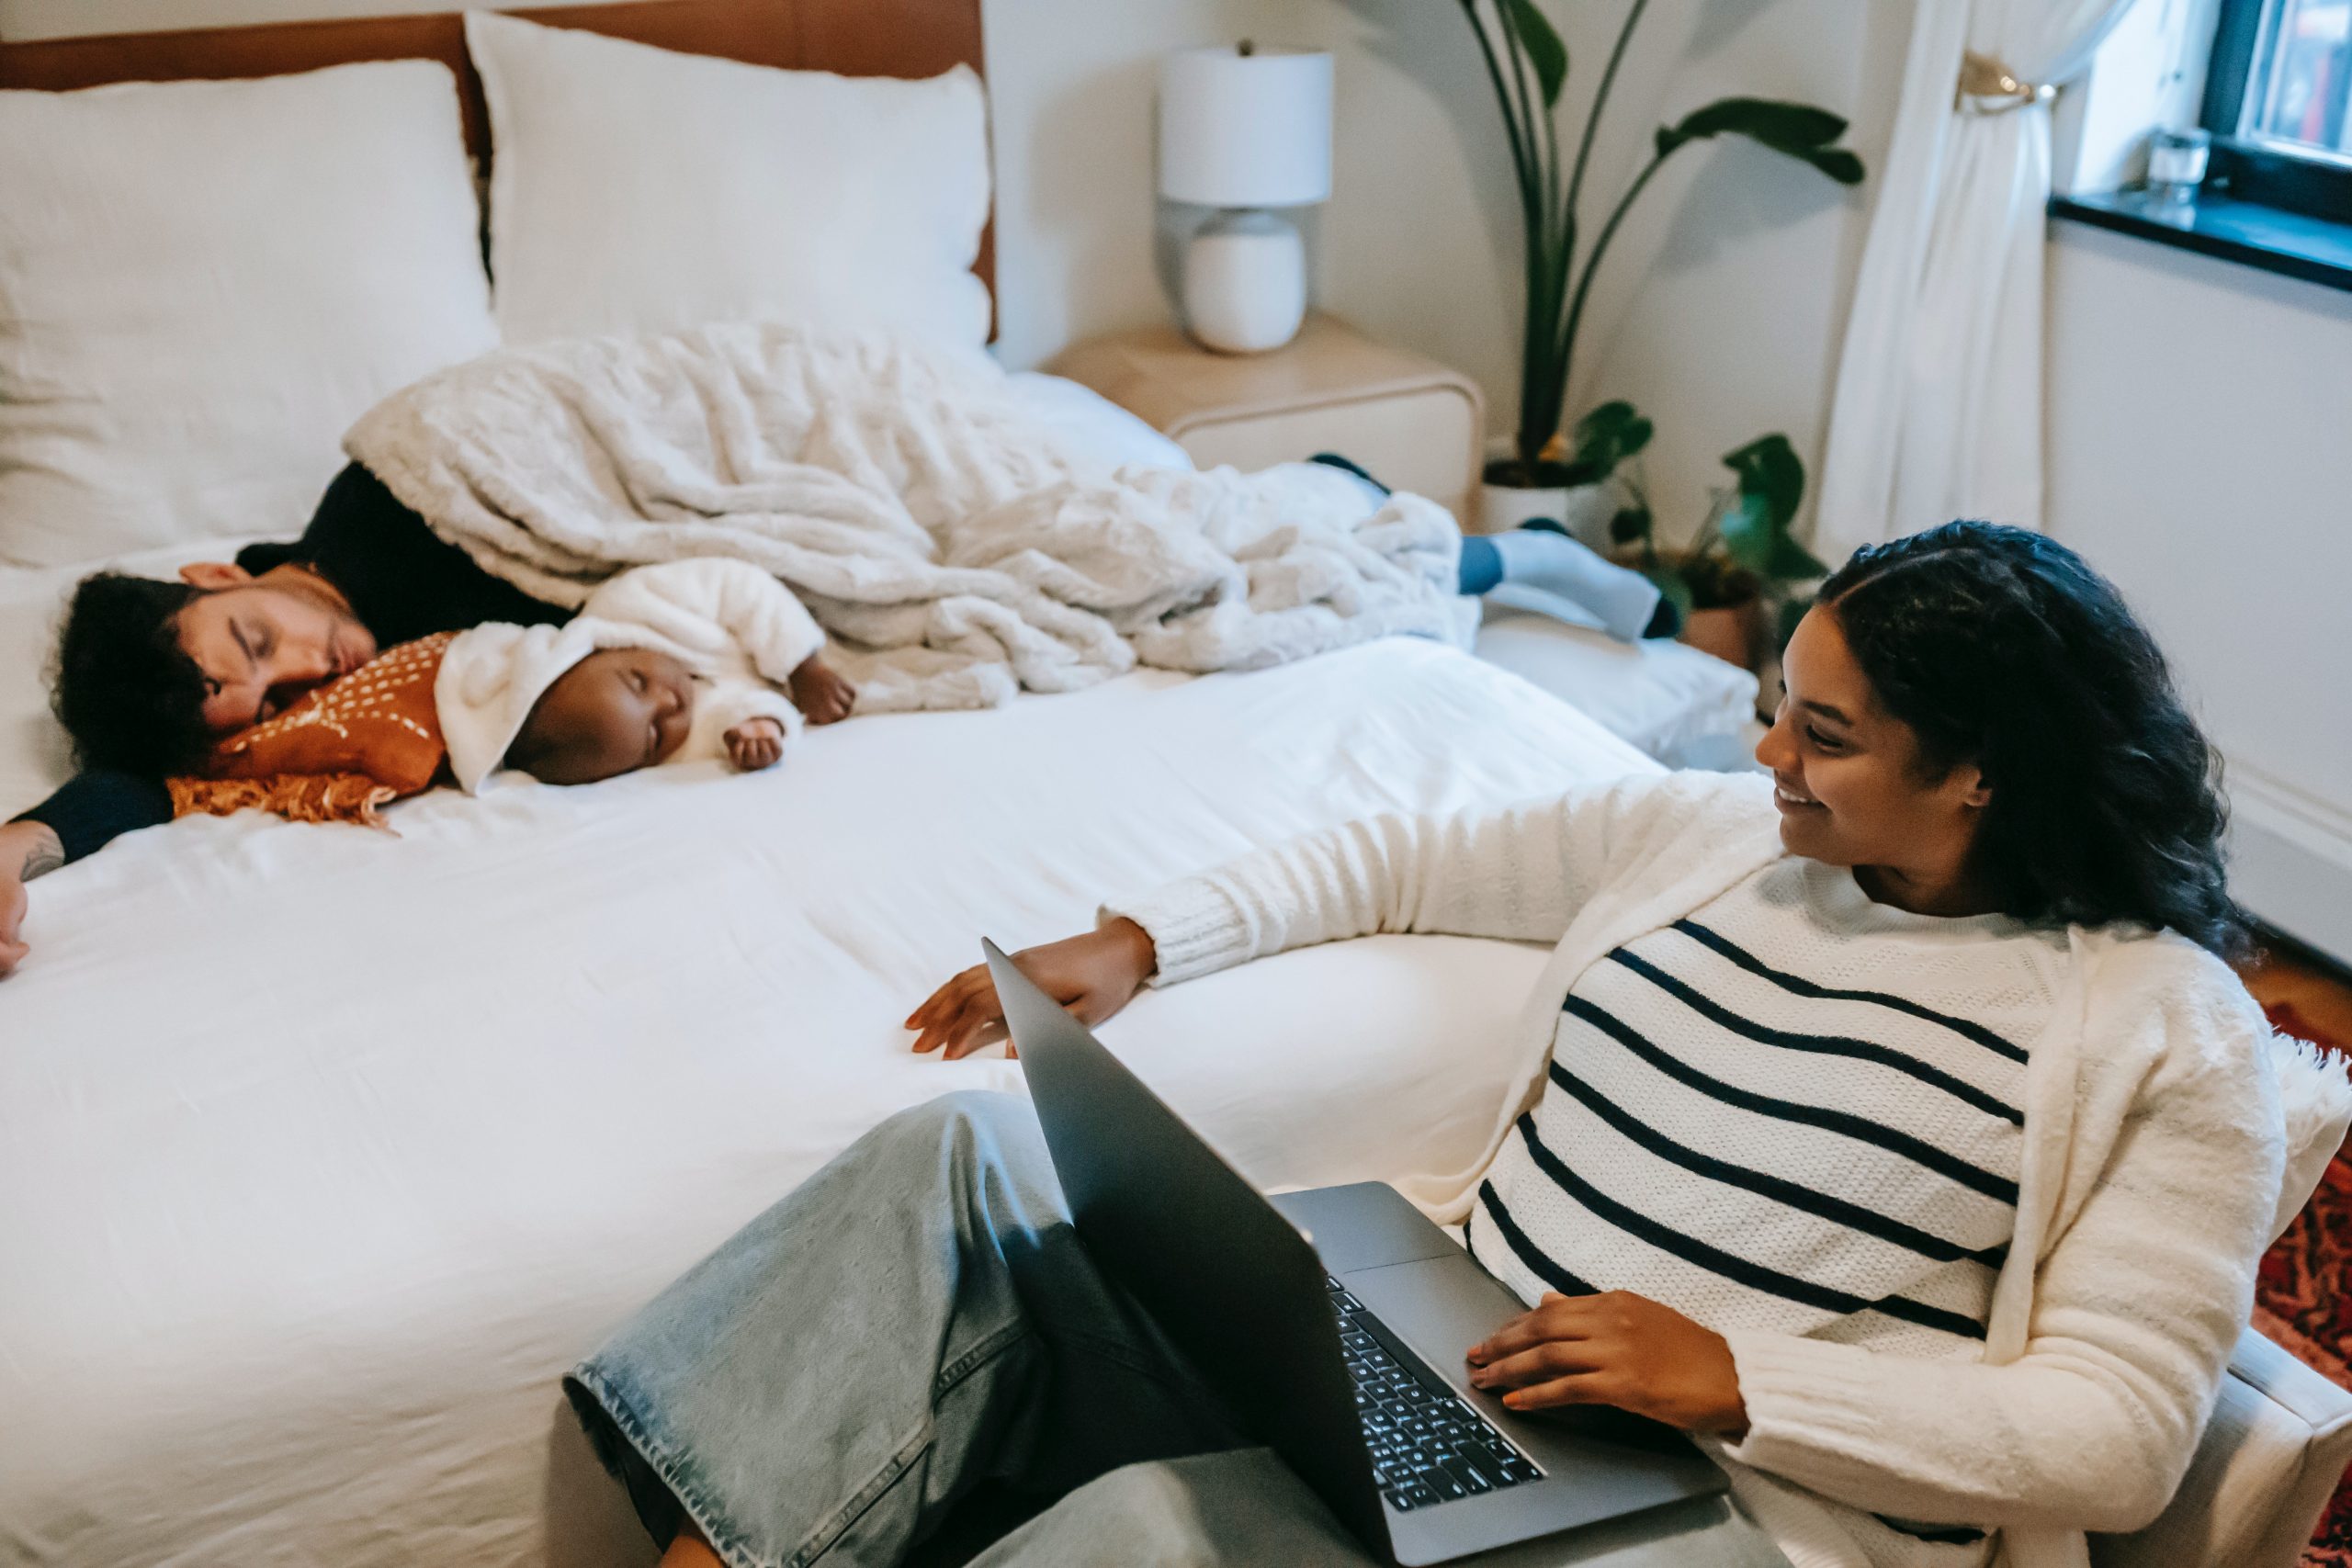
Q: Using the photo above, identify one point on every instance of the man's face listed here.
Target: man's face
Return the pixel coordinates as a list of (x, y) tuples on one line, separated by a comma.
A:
[(262, 641)]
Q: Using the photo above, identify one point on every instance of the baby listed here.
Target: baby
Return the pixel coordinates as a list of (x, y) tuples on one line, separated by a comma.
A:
[(675, 662)]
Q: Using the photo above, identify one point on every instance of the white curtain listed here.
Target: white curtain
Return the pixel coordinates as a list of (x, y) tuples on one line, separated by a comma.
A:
[(1937, 411)]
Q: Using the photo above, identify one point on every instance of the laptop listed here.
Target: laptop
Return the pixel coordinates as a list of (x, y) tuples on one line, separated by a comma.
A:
[(1331, 1321)]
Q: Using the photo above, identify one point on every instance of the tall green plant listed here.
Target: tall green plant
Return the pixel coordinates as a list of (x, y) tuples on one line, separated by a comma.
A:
[(1528, 64)]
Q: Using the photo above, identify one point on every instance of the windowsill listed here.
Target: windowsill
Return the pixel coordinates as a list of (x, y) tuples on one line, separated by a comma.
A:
[(2312, 249)]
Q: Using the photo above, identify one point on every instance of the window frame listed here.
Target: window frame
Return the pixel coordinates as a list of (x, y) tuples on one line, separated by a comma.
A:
[(2262, 171)]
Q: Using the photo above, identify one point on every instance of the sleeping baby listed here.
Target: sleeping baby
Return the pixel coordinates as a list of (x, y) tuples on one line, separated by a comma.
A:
[(683, 662)]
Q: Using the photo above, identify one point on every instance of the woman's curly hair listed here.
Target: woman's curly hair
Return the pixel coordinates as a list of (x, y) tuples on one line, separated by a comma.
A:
[(2002, 647)]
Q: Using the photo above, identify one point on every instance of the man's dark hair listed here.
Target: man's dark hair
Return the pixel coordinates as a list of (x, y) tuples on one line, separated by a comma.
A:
[(2002, 647), (123, 687)]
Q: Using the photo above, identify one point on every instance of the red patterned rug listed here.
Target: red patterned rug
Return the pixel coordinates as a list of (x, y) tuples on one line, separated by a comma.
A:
[(2304, 1299)]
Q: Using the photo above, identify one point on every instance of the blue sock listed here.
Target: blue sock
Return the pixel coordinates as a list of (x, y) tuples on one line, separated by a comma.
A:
[(1482, 565), (1553, 575)]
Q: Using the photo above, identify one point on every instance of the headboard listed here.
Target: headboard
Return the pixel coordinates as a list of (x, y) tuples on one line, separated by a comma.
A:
[(855, 37)]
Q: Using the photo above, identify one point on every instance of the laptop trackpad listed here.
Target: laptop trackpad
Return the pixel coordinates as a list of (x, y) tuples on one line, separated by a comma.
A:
[(1362, 1226)]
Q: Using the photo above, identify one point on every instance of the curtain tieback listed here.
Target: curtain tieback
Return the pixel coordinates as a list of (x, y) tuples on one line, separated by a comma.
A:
[(1988, 86)]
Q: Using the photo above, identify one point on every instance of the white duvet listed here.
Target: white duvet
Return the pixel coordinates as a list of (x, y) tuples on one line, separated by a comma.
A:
[(322, 1154)]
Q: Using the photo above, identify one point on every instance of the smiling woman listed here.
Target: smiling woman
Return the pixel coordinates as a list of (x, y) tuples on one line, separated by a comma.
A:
[(1784, 1182)]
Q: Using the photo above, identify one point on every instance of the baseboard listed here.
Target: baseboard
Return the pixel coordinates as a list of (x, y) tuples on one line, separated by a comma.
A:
[(2290, 861)]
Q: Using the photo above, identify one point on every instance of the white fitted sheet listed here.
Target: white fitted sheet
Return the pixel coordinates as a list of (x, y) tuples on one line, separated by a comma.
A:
[(323, 1153)]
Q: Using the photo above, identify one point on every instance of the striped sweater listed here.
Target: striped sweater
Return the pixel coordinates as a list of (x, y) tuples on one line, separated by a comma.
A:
[(1793, 1109), (2167, 1135)]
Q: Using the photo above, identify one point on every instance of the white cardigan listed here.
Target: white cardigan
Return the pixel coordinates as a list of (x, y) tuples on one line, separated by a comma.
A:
[(2170, 1136)]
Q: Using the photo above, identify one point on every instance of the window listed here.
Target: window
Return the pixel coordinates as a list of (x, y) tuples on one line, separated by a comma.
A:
[(2279, 102)]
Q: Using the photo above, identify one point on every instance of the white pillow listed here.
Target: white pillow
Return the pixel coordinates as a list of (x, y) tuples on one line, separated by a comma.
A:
[(634, 189), (1663, 696), (202, 284)]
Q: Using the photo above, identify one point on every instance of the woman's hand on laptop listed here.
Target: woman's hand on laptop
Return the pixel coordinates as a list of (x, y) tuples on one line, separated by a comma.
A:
[(1093, 975), (1613, 1348)]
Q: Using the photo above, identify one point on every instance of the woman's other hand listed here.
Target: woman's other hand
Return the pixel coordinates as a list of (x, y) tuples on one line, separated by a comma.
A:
[(1614, 1349), (1093, 975)]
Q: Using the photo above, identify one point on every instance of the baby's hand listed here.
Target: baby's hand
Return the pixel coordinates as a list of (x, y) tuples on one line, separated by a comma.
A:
[(822, 695), (755, 744)]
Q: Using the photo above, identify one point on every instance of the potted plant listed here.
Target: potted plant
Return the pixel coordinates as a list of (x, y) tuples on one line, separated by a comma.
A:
[(1742, 562), (1529, 66)]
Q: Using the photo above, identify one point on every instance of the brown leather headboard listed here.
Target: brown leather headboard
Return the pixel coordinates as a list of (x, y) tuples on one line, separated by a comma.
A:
[(855, 37)]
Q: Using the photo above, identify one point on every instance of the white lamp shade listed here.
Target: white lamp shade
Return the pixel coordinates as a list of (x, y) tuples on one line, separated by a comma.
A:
[(1245, 129)]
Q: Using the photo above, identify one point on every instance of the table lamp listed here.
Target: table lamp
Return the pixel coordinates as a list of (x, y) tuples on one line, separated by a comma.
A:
[(1242, 130)]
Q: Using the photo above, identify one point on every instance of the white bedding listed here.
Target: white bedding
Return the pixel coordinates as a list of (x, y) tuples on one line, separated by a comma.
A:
[(324, 1153)]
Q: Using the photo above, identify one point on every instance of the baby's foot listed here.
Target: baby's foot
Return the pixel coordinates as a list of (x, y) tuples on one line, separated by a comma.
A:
[(821, 695), (754, 744)]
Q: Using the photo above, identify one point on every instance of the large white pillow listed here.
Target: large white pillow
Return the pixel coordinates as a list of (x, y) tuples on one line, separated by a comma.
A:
[(1670, 700), (202, 284), (635, 189)]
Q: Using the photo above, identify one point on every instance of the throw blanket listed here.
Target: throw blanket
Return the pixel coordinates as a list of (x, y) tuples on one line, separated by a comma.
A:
[(957, 544)]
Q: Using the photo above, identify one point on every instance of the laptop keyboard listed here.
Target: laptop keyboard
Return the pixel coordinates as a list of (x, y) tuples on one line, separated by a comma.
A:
[(1427, 1445)]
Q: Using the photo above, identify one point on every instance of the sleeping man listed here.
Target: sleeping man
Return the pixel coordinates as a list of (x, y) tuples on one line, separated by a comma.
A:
[(149, 673)]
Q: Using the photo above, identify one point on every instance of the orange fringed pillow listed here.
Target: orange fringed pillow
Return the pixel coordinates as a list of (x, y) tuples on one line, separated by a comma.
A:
[(339, 752)]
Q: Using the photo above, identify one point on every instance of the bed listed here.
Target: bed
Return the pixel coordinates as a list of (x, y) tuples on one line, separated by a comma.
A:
[(326, 1152)]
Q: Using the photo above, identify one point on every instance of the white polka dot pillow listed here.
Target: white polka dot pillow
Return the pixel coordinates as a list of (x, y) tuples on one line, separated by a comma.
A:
[(340, 751)]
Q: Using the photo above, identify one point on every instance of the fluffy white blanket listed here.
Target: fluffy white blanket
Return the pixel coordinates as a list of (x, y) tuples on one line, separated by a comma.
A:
[(949, 539)]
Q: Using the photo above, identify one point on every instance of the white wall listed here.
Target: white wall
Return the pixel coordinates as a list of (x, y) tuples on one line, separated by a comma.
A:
[(2199, 419)]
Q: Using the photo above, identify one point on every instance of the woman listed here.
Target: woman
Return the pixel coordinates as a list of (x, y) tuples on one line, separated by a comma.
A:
[(1903, 1138)]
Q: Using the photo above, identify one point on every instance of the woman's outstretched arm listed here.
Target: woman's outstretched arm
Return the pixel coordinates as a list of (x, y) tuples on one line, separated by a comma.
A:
[(1517, 873)]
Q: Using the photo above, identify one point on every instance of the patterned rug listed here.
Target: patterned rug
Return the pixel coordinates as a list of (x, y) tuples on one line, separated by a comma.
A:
[(2304, 1299)]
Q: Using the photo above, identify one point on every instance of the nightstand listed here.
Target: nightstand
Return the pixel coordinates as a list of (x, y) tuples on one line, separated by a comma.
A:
[(1415, 423)]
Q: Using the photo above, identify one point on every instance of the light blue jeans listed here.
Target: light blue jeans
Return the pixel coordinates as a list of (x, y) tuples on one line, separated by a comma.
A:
[(916, 1319)]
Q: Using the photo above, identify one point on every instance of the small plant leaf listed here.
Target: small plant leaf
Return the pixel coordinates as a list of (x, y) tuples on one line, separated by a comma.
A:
[(1755, 527), (1770, 467), (1791, 562), (1797, 131), (1677, 591), (1844, 167), (1781, 126), (1746, 529), (1604, 421), (1544, 50), (1606, 437), (1631, 526)]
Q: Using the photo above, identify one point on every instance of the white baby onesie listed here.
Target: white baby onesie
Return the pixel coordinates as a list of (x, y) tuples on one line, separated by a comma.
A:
[(739, 630)]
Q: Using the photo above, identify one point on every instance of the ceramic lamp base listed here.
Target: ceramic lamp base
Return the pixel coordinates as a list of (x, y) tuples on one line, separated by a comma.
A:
[(1245, 282)]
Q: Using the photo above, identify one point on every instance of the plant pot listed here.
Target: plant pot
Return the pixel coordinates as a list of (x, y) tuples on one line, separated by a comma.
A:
[(1733, 633), (1583, 509)]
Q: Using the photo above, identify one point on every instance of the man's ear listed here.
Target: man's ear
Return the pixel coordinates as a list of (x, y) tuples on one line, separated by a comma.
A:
[(1977, 794), (213, 575)]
